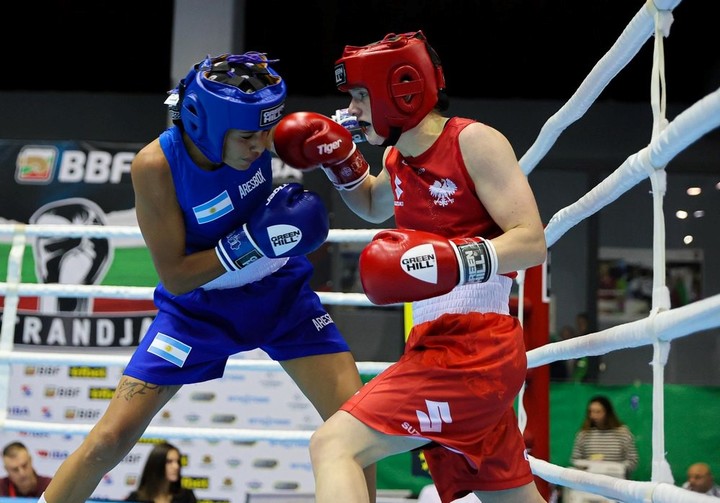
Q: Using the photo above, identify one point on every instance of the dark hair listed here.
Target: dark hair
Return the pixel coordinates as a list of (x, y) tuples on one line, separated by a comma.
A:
[(611, 419), (153, 479), (443, 102), (12, 448)]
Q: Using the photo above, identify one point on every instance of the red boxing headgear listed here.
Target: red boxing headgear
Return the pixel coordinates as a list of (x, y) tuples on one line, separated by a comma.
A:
[(402, 74)]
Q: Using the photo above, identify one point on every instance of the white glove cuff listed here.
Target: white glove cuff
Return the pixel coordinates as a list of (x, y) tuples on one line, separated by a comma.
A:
[(224, 258), (477, 259), (492, 254)]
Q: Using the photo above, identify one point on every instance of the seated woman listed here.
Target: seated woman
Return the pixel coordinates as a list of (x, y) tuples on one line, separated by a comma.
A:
[(161, 478)]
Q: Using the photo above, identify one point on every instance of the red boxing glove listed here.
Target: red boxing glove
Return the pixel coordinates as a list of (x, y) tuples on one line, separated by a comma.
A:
[(306, 140), (408, 265)]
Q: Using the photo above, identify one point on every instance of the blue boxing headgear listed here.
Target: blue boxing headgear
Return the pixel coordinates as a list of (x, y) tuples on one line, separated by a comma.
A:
[(228, 92)]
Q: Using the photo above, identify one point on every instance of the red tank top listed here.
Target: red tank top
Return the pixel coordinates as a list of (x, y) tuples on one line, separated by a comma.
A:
[(434, 192)]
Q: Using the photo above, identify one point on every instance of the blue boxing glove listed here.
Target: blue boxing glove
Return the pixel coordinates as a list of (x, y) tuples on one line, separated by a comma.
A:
[(292, 222)]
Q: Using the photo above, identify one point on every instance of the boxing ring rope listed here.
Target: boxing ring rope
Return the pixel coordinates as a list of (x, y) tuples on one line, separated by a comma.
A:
[(13, 289), (662, 326), (690, 125), (631, 40)]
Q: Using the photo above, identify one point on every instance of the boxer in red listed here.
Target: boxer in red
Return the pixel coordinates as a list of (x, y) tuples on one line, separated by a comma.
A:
[(467, 221)]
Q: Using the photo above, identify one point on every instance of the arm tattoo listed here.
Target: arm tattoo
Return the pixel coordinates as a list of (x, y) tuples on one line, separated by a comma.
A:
[(128, 389)]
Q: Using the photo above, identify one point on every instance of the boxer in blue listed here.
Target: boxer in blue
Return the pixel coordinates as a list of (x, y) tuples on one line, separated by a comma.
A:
[(230, 254)]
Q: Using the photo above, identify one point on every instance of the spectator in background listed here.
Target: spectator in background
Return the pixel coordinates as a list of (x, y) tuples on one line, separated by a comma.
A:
[(700, 480), (603, 437), (161, 478), (22, 480)]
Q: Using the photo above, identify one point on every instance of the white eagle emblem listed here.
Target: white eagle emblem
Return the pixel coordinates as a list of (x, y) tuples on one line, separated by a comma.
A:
[(442, 191)]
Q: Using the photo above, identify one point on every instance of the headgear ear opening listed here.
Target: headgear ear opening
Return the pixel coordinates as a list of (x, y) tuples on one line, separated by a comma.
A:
[(227, 92), (403, 76)]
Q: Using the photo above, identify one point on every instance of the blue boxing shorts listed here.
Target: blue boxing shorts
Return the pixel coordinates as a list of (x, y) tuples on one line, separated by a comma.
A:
[(193, 334)]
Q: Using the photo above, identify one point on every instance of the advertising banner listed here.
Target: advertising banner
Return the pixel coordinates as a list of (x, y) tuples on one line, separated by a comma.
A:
[(75, 183), (219, 471)]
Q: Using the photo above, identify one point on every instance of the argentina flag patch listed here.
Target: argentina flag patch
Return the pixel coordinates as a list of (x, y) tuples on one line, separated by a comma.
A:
[(169, 349), (213, 209)]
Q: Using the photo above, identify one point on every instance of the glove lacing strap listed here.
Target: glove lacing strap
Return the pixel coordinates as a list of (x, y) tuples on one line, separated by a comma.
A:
[(347, 171), (477, 259)]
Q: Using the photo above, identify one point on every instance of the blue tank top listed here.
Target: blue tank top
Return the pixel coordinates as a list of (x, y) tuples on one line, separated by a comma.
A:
[(214, 202)]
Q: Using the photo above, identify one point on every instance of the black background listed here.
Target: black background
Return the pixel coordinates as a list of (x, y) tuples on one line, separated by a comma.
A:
[(82, 45), (500, 49)]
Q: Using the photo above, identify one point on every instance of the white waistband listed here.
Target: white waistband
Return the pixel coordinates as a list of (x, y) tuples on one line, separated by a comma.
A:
[(490, 297), (262, 267)]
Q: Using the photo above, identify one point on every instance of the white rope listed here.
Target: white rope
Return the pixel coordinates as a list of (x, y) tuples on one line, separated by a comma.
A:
[(131, 231), (166, 431), (688, 127), (10, 307), (104, 359), (625, 48), (627, 491), (12, 289), (669, 325), (662, 326), (146, 293), (660, 468)]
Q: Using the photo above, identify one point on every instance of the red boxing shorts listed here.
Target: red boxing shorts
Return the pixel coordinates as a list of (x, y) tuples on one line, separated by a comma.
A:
[(455, 385)]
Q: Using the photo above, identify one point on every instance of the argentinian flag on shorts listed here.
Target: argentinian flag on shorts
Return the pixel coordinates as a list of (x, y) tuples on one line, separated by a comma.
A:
[(169, 349)]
